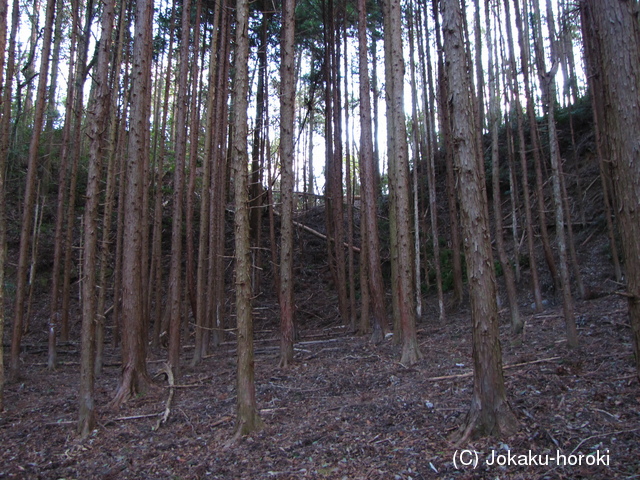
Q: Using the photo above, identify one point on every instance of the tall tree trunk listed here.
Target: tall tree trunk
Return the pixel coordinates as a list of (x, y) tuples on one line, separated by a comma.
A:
[(287, 114), (194, 132), (98, 125), (156, 240), (55, 312), (490, 413), (513, 194), (52, 110), (350, 181), (477, 31), (376, 124), (494, 125), (394, 62), (58, 37), (175, 272), (364, 326), (612, 35), (204, 241), (378, 312), (135, 378), (604, 179), (107, 218), (216, 275), (431, 148), (120, 158), (25, 103), (535, 141), (515, 93), (255, 183), (417, 162), (121, 147), (336, 190), (445, 126), (248, 419), (312, 124), (30, 194), (75, 151), (547, 83), (5, 98), (564, 199)]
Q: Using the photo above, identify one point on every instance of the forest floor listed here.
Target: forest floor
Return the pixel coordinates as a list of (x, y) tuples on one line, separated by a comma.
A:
[(348, 409)]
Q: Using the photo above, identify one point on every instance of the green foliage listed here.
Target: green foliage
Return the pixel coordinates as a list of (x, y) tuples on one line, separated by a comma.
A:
[(446, 265), (579, 115)]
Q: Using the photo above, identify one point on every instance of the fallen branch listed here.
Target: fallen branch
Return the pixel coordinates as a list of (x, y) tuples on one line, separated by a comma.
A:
[(61, 422), (188, 385), (118, 419), (272, 410), (628, 295), (448, 377), (317, 233), (602, 435), (167, 369), (135, 417), (505, 367), (217, 423), (315, 342)]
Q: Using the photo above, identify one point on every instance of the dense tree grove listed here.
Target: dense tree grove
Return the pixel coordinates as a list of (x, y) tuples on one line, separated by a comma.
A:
[(169, 146)]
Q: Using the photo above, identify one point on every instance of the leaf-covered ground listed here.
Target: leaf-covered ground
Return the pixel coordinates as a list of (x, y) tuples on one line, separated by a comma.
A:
[(346, 409)]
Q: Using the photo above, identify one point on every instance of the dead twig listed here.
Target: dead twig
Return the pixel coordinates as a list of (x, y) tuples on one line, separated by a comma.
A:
[(111, 420), (505, 367), (136, 417), (217, 423), (317, 233), (632, 297), (607, 413), (602, 435)]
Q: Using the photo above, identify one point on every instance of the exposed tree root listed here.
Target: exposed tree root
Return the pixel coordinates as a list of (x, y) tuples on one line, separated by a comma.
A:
[(132, 384), (478, 423), (167, 411)]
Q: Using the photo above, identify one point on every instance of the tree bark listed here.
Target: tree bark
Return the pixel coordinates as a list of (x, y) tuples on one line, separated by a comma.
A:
[(204, 241), (135, 378), (515, 92), (336, 191), (5, 98), (494, 125), (194, 132), (399, 166), (417, 162), (445, 125), (351, 184), (216, 275), (248, 419), (175, 273), (378, 312), (431, 148), (490, 413), (287, 114), (107, 218), (547, 84), (30, 194), (98, 124), (523, 36), (612, 35)]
